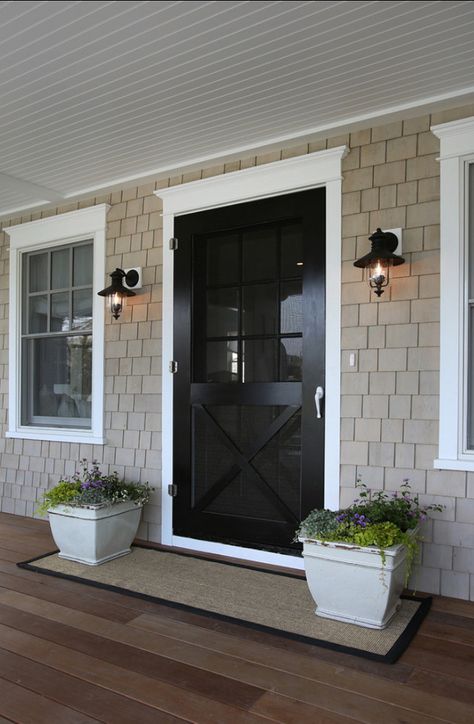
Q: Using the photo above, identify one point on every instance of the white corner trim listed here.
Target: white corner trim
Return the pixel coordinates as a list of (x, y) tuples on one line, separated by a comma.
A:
[(457, 146), (321, 168), (88, 223)]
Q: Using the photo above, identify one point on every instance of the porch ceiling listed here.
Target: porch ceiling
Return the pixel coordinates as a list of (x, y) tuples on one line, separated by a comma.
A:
[(94, 93)]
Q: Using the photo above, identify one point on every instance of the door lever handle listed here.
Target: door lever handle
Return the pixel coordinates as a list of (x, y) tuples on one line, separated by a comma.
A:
[(317, 399)]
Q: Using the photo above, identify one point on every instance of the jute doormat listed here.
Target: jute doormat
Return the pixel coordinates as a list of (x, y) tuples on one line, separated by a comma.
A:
[(278, 603)]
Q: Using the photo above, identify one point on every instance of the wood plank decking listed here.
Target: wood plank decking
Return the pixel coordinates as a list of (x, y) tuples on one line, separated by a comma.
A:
[(71, 653)]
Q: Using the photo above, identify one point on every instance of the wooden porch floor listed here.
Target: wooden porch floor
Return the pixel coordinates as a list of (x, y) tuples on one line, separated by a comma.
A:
[(71, 653)]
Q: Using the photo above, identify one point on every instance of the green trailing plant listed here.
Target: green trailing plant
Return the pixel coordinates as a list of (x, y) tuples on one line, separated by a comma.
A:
[(376, 519), (90, 487)]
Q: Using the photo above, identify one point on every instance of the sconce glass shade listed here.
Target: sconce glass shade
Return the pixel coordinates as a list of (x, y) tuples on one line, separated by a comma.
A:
[(117, 293), (379, 260)]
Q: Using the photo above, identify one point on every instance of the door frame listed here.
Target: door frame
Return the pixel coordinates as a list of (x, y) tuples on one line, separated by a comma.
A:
[(318, 169)]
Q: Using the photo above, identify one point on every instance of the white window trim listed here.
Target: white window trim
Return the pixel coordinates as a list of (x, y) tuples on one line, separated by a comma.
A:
[(457, 147), (89, 223), (322, 168)]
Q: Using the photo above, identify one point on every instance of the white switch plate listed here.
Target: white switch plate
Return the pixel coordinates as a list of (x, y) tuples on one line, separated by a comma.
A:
[(398, 233)]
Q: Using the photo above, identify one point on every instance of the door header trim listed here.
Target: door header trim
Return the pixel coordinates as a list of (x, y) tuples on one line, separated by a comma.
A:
[(256, 182), (322, 168)]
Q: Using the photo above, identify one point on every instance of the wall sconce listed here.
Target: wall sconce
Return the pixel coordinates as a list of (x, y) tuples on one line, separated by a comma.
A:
[(379, 260), (117, 293)]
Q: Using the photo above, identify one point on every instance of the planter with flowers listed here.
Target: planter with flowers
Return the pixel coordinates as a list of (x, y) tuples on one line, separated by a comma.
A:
[(358, 560), (94, 517)]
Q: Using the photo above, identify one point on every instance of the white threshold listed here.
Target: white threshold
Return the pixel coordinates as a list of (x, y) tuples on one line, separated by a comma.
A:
[(313, 170), (252, 555)]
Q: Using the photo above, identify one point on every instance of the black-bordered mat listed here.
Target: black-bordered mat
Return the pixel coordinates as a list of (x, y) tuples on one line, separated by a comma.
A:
[(266, 600)]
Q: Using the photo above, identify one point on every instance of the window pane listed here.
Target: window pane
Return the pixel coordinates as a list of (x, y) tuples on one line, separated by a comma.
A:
[(291, 250), (260, 309), (38, 272), (260, 254), (291, 358), (82, 309), (222, 362), (60, 312), (82, 269), (291, 307), (223, 312), (260, 360), (223, 265), (38, 317), (57, 381), (60, 269)]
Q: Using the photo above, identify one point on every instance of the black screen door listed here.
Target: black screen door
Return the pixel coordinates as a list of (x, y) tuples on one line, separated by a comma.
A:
[(249, 333)]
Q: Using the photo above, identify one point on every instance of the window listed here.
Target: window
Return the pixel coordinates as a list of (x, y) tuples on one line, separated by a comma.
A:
[(456, 429), (57, 327)]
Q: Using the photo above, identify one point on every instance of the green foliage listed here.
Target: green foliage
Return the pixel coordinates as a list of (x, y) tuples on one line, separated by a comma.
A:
[(375, 519), (318, 524), (64, 493), (91, 487)]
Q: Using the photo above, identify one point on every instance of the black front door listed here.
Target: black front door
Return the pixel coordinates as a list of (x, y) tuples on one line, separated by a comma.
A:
[(249, 321)]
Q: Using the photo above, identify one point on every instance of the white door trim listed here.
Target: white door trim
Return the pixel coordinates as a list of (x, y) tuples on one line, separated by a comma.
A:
[(322, 168)]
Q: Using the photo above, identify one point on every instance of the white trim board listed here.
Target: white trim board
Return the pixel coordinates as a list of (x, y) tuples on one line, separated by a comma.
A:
[(89, 223), (322, 168), (457, 148)]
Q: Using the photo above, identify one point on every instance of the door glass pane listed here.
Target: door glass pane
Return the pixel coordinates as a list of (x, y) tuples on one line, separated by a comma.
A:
[(60, 312), (260, 360), (38, 272), (291, 307), (38, 312), (222, 362), (223, 312), (57, 381), (82, 309), (260, 309), (260, 248), (82, 265), (291, 250), (60, 269), (223, 264), (291, 359)]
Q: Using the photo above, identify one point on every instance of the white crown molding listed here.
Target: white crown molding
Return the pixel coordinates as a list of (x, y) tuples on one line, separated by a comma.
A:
[(295, 174), (457, 137), (61, 226)]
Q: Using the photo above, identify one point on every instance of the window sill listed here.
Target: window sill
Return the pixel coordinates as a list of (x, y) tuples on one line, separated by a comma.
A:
[(73, 436), (463, 465)]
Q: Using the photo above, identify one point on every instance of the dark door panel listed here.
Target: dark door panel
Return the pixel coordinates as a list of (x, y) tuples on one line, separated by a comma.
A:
[(249, 339)]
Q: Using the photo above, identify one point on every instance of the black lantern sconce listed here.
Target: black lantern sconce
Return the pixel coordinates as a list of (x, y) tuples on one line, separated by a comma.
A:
[(117, 293), (379, 260)]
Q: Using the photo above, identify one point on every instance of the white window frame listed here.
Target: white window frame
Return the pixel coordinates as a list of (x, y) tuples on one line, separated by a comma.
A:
[(318, 169), (54, 231), (457, 150)]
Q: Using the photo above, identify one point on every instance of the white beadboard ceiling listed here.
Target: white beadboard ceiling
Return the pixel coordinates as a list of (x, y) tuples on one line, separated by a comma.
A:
[(95, 93)]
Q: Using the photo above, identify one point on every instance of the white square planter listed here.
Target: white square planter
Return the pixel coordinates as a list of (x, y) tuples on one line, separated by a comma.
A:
[(96, 534), (352, 584)]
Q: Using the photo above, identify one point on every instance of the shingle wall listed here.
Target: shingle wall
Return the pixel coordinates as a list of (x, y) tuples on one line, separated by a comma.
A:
[(389, 403)]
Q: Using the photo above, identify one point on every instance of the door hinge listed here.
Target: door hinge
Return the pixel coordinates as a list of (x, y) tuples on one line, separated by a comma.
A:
[(172, 490), (173, 243), (173, 367)]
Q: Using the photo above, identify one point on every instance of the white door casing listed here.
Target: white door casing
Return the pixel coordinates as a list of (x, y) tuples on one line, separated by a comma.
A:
[(322, 168)]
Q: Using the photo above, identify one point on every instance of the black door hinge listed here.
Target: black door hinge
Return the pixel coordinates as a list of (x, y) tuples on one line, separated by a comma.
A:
[(172, 490), (173, 243), (173, 367)]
